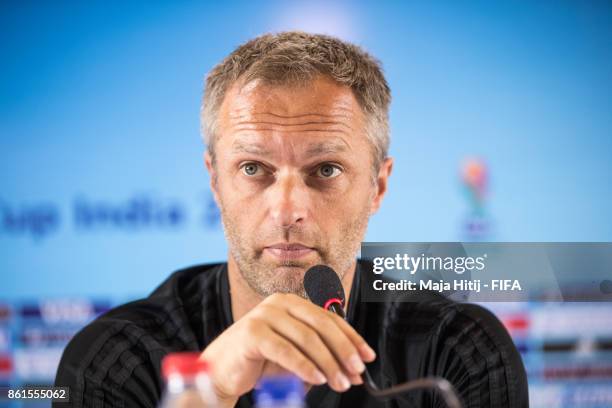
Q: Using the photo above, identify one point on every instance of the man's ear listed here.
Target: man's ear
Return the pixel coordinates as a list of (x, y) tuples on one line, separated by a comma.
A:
[(212, 172), (382, 182)]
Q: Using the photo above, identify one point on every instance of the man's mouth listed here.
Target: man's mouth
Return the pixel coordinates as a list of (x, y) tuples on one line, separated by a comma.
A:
[(288, 251)]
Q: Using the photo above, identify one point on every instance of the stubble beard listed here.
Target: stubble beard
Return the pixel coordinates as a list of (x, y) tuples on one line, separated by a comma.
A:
[(266, 278)]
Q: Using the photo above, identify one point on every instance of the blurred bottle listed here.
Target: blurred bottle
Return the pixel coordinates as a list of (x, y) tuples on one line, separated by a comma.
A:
[(280, 392), (187, 382)]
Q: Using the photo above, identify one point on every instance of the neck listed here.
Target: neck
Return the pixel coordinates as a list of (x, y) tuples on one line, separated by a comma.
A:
[(244, 298)]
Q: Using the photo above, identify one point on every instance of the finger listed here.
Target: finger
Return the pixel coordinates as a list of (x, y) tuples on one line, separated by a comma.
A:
[(341, 345), (279, 350), (355, 379), (311, 345), (298, 306), (366, 352), (271, 369), (293, 302)]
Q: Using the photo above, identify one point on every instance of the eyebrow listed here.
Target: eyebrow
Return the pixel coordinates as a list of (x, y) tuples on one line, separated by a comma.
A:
[(327, 147), (250, 148), (314, 149)]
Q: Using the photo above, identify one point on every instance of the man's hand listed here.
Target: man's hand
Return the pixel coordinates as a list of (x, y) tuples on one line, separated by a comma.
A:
[(286, 333)]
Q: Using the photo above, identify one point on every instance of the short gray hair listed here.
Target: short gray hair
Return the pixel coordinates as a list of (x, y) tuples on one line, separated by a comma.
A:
[(297, 57)]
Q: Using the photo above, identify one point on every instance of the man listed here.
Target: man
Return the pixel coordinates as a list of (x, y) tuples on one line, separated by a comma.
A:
[(297, 132)]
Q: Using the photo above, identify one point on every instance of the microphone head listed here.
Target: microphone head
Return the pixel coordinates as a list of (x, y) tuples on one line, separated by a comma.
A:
[(322, 284)]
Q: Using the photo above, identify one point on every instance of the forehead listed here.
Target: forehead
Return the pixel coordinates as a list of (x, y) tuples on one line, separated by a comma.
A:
[(317, 110)]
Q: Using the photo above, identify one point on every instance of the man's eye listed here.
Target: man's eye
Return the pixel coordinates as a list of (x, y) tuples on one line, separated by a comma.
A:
[(328, 171), (251, 169)]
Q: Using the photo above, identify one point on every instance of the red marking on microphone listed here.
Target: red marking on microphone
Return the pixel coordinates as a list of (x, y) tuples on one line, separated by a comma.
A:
[(331, 302)]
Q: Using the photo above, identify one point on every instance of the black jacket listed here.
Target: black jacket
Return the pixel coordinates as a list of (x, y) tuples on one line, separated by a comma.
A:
[(115, 360)]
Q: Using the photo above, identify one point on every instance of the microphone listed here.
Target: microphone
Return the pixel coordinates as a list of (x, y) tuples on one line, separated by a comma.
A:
[(324, 288)]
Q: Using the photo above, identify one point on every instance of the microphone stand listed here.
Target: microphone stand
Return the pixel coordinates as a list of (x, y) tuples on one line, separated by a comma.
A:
[(442, 385)]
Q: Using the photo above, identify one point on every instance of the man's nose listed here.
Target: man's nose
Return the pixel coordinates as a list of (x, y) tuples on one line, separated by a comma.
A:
[(288, 200)]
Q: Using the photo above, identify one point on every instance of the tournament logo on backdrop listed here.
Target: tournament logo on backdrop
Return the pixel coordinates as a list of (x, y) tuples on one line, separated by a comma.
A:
[(474, 174)]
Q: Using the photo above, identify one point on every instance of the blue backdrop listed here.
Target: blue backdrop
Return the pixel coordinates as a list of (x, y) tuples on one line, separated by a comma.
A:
[(99, 108)]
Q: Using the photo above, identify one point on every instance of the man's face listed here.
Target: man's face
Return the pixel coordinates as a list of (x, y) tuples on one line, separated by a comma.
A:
[(294, 181)]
